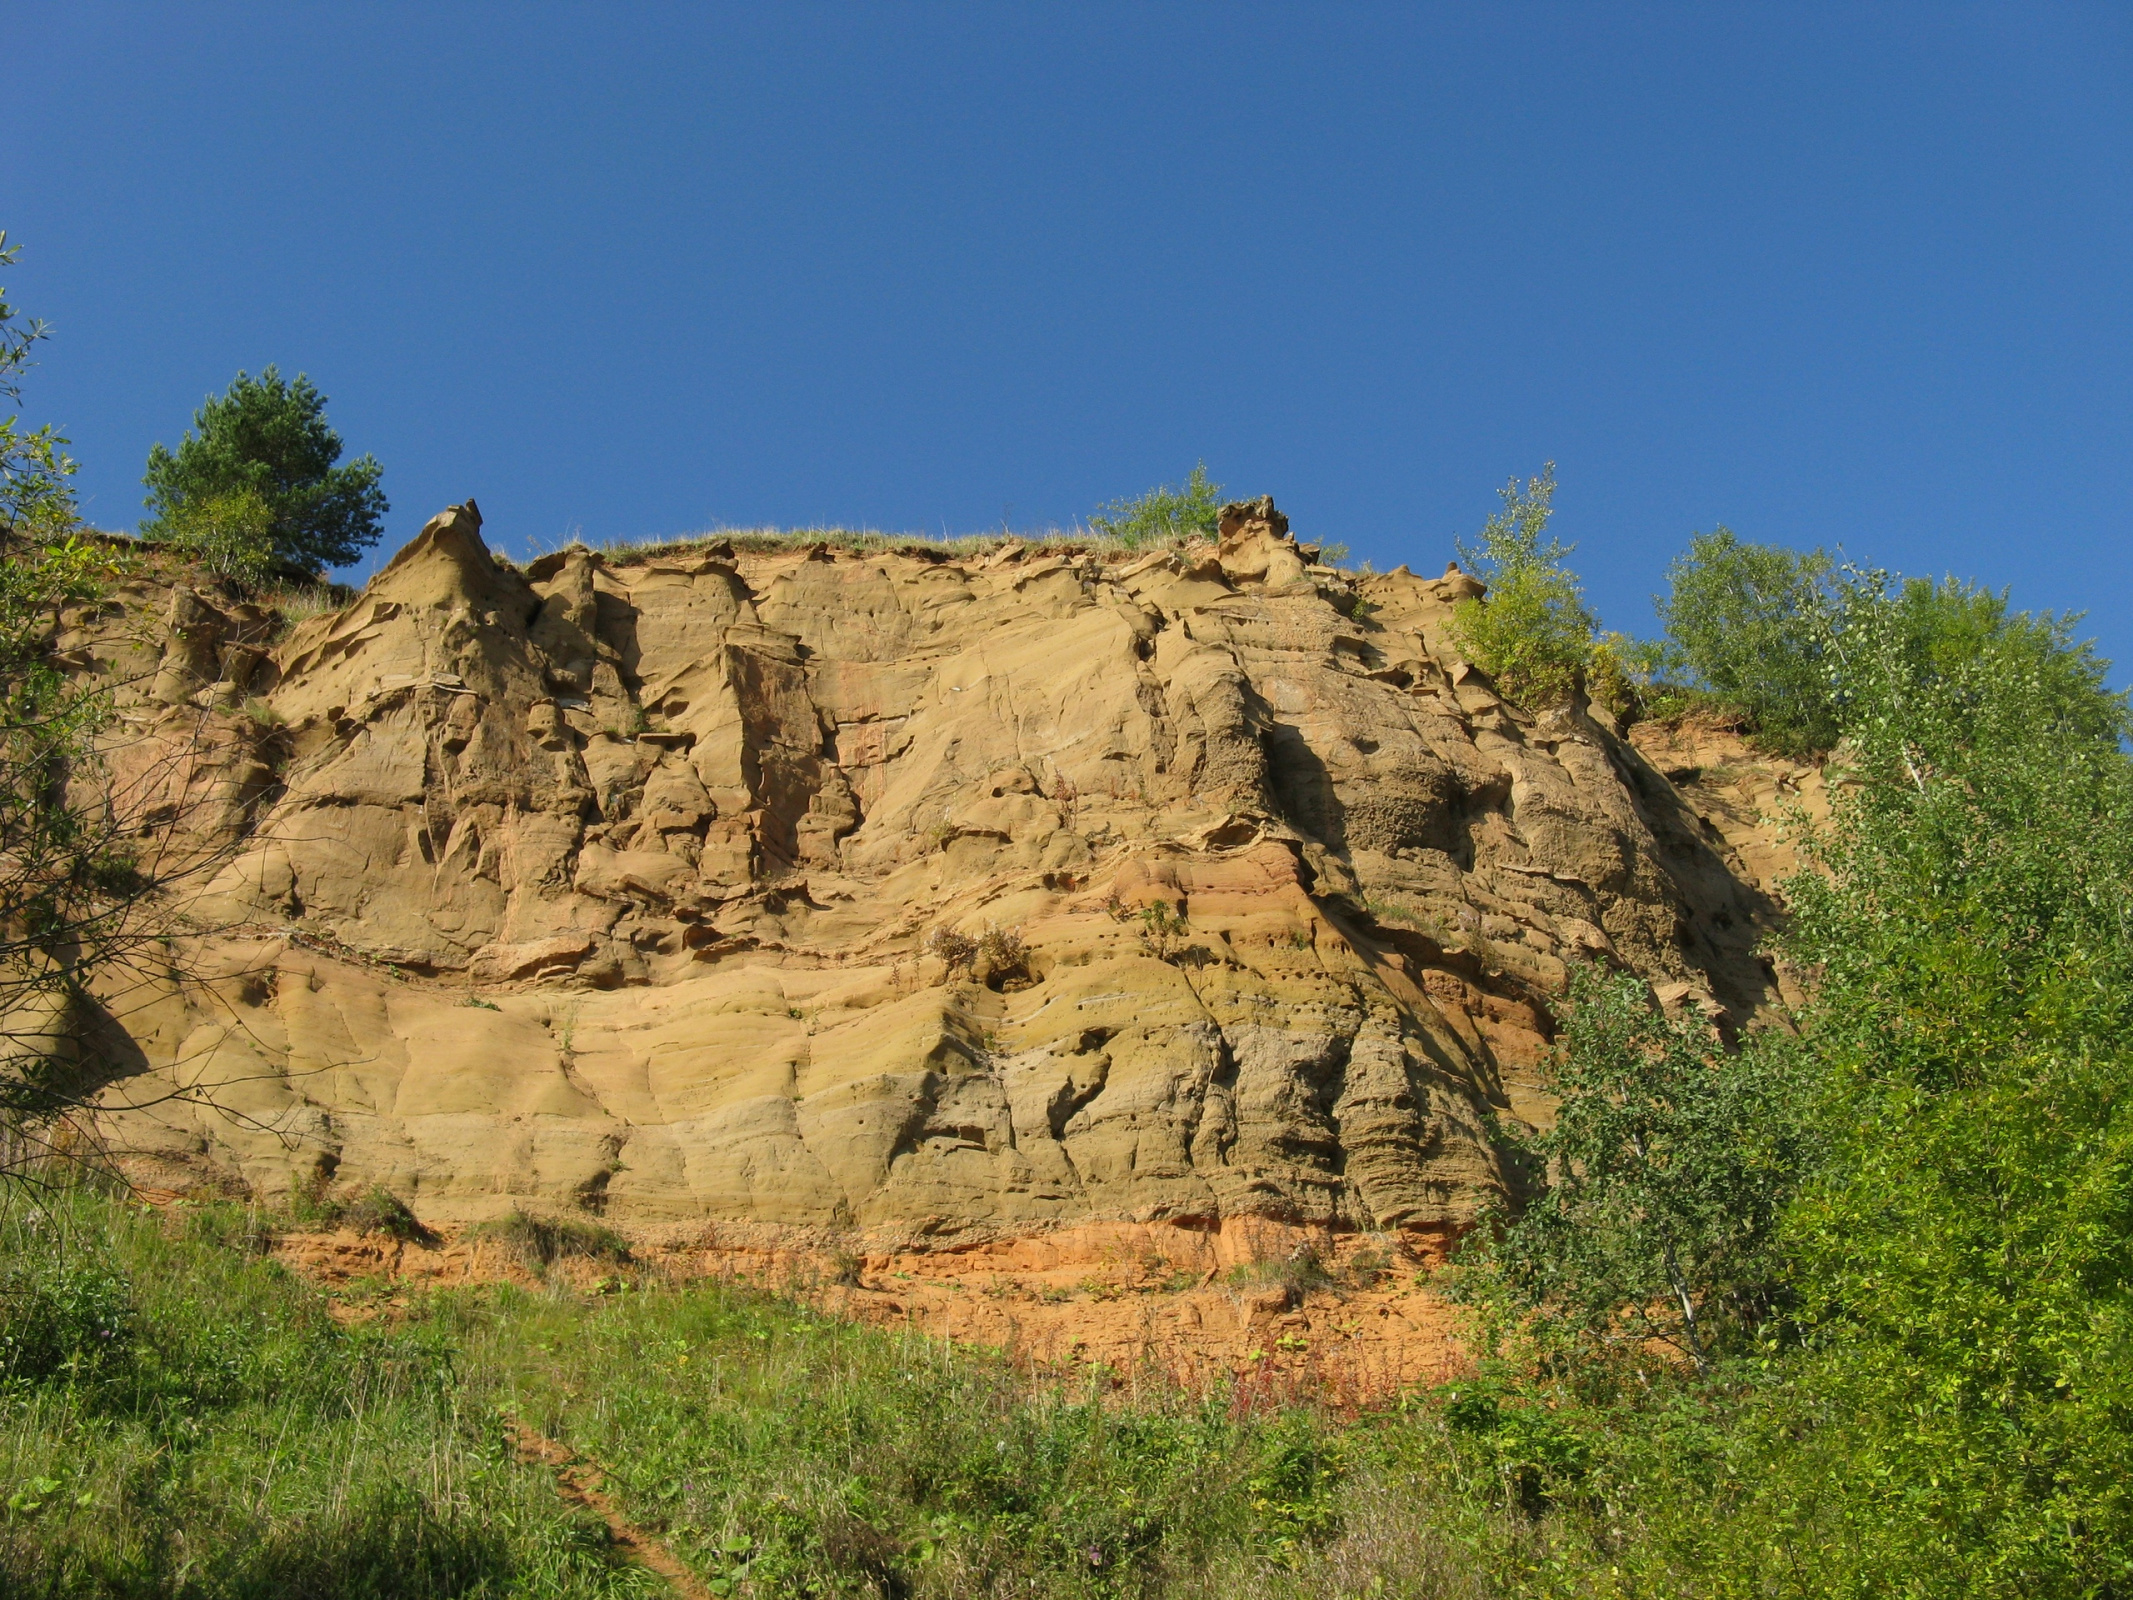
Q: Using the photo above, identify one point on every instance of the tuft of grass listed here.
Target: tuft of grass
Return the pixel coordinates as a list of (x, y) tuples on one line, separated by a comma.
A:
[(378, 1210), (540, 1242), (1098, 541), (1299, 1271)]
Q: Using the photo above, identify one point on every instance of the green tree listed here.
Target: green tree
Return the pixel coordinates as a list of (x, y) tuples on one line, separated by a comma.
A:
[(1965, 1259), (1751, 626), (1163, 513), (1663, 1178), (1532, 633), (268, 439), (34, 497)]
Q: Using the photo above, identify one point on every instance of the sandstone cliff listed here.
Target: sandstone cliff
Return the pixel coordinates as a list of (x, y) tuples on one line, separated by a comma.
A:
[(805, 886)]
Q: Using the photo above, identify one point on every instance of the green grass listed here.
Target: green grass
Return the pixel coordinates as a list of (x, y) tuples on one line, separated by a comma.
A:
[(180, 1416)]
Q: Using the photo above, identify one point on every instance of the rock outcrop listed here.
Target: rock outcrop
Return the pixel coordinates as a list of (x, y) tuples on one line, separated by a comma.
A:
[(795, 885)]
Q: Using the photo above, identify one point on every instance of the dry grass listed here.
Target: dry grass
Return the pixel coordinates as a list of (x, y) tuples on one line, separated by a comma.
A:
[(872, 541)]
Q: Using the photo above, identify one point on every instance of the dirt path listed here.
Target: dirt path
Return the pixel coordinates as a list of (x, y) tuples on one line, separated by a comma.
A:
[(580, 1479)]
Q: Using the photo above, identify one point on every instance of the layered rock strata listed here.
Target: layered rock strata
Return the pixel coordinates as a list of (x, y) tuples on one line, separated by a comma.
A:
[(901, 887)]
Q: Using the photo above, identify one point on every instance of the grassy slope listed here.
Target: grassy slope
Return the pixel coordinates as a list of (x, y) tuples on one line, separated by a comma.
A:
[(229, 1439)]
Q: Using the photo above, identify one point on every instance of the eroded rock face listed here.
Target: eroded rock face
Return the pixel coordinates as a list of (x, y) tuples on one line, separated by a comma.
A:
[(616, 884)]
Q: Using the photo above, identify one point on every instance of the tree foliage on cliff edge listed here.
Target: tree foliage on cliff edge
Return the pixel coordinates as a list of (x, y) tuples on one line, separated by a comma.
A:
[(34, 498), (1164, 514), (1942, 1405), (1532, 633), (259, 480)]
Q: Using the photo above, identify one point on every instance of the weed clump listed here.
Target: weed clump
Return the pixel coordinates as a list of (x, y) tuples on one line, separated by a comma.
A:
[(1299, 1271), (957, 950), (378, 1210), (540, 1242), (74, 1321)]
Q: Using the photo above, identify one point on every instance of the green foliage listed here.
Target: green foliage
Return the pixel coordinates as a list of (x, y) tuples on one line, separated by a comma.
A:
[(1532, 632), (72, 1320), (1966, 1261), (267, 443), (186, 1420), (34, 498), (1664, 1174), (71, 882), (1752, 625), (231, 534), (1928, 1196), (753, 1434), (236, 1441), (1164, 514)]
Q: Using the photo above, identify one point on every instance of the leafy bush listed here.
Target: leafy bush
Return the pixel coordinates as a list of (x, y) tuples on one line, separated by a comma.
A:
[(1665, 1174), (1532, 632), (231, 534), (267, 441), (75, 1319), (1966, 1257), (1164, 513), (1917, 1218)]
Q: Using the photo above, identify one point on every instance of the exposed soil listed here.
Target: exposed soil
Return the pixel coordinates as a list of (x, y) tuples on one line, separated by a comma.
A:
[(1280, 1311)]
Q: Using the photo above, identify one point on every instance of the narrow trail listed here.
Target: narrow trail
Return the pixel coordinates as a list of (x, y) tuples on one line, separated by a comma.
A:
[(581, 1480)]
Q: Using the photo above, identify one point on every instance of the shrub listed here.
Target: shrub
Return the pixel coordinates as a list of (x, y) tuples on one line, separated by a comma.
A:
[(229, 534), (1002, 950), (958, 950), (1163, 513), (1664, 1177), (73, 1319), (1532, 633), (34, 497), (268, 441)]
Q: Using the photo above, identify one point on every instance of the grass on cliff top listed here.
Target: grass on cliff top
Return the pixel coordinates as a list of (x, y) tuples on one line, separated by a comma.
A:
[(871, 541), (180, 1416)]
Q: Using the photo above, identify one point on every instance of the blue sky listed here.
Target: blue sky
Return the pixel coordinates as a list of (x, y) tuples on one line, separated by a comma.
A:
[(1850, 275)]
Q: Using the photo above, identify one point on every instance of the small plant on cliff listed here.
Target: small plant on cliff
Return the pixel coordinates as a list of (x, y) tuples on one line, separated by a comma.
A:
[(1164, 513), (1002, 948), (958, 950), (267, 441), (1532, 633), (1162, 925)]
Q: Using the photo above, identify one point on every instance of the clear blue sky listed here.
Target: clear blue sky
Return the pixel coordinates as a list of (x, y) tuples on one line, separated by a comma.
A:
[(1855, 275)]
